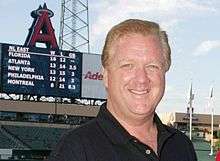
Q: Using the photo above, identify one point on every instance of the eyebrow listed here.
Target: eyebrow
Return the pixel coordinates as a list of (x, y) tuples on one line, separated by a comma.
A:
[(151, 62), (124, 60)]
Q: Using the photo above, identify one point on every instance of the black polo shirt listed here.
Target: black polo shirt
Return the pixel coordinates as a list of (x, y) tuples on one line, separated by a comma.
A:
[(104, 139)]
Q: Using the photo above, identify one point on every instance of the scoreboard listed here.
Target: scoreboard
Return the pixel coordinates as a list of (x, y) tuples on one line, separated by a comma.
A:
[(40, 71)]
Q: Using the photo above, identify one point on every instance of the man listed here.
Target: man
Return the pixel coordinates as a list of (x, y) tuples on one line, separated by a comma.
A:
[(135, 59)]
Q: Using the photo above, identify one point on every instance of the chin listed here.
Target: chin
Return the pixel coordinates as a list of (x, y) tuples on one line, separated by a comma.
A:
[(143, 108)]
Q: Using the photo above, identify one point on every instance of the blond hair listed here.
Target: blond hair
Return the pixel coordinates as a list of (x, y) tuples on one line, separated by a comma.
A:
[(137, 27)]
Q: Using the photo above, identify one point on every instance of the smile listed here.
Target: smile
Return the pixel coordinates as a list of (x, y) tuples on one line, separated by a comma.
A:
[(139, 92)]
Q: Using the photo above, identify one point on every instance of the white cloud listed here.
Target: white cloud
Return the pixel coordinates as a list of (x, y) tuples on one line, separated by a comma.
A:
[(169, 24), (167, 12), (206, 46)]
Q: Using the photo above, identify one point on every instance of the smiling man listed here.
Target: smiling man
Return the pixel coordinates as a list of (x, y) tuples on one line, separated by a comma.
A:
[(135, 59)]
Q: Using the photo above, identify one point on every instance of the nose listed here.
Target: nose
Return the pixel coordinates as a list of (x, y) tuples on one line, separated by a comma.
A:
[(142, 76)]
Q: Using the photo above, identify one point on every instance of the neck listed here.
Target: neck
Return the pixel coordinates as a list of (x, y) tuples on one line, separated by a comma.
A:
[(126, 117), (137, 125), (141, 127), (144, 130)]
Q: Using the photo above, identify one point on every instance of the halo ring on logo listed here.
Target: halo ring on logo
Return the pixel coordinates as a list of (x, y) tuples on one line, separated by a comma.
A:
[(40, 12)]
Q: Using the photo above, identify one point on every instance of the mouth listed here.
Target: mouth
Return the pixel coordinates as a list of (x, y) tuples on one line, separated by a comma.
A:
[(139, 92)]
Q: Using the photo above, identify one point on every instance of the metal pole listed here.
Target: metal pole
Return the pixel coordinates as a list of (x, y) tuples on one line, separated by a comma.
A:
[(210, 105), (212, 122), (190, 120), (61, 24), (191, 97), (88, 25), (73, 21)]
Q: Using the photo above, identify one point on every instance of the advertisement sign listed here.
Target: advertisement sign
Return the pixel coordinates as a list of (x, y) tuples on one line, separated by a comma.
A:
[(92, 85)]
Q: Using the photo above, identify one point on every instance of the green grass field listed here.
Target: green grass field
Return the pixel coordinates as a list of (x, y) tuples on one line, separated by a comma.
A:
[(202, 150)]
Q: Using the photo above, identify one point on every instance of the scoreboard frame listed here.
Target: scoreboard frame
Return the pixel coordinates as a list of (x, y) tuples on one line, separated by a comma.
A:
[(40, 71)]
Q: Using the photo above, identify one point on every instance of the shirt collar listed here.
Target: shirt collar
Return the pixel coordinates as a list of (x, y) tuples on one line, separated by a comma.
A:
[(111, 127), (118, 135)]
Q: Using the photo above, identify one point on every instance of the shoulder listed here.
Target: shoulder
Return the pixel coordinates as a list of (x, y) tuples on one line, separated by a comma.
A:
[(73, 143), (178, 146), (178, 135), (82, 132), (181, 143)]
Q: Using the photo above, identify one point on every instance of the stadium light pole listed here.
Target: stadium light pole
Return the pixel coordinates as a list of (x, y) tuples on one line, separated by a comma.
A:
[(210, 105), (191, 97), (74, 26)]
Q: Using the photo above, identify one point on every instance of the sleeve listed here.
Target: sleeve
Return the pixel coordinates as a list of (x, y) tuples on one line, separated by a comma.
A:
[(193, 156), (69, 148), (186, 147)]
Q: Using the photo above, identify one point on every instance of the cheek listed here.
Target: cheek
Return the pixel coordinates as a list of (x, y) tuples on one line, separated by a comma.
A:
[(157, 79), (126, 76), (160, 83), (119, 81)]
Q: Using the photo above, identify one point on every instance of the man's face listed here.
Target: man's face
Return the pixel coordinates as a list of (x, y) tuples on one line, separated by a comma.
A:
[(135, 77)]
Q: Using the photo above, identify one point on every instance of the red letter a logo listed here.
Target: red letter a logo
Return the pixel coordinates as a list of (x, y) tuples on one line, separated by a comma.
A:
[(41, 30)]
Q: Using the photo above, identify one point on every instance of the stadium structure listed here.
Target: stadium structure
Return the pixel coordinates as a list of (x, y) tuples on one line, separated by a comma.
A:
[(48, 87), (201, 122)]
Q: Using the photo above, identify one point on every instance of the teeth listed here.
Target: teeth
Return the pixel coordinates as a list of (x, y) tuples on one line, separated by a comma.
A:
[(139, 92)]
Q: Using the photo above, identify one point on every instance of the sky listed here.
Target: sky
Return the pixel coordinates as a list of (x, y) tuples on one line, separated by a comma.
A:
[(192, 27)]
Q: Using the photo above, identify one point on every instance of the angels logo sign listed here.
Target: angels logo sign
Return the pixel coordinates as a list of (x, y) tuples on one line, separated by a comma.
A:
[(93, 76), (41, 29)]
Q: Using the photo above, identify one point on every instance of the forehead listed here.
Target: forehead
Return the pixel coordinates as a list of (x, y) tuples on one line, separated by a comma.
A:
[(137, 45)]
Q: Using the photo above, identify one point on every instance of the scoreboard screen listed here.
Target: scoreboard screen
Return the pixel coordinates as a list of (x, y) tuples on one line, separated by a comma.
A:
[(40, 71)]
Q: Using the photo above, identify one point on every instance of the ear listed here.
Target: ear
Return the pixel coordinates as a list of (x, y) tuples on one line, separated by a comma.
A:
[(105, 76)]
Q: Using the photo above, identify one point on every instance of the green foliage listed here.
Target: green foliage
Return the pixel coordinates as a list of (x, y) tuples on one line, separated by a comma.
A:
[(218, 134), (217, 145)]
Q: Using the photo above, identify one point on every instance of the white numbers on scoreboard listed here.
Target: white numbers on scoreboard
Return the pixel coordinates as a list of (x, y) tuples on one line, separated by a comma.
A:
[(52, 78), (52, 71), (62, 70), (52, 65)]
